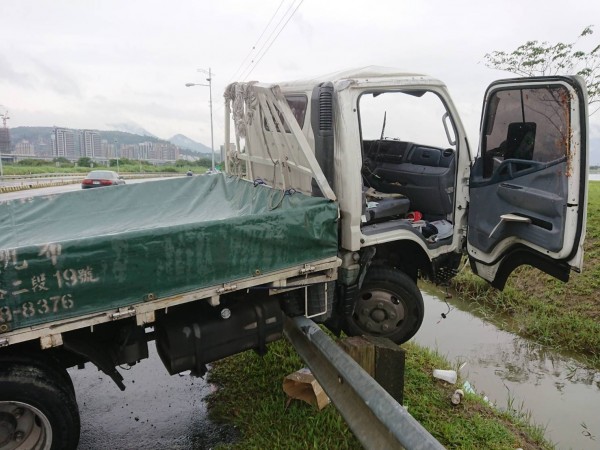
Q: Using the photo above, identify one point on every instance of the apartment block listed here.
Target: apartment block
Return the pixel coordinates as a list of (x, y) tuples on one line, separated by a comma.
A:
[(63, 144)]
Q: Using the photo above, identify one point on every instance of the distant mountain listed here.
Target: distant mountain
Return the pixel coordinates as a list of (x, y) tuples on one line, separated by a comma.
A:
[(43, 135), (131, 128), (185, 142), (123, 137), (31, 134), (36, 134)]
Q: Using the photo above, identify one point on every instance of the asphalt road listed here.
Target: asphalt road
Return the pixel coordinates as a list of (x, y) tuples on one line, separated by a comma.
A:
[(27, 193), (156, 411)]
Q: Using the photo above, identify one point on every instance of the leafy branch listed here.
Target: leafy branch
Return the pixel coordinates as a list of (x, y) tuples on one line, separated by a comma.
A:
[(536, 58)]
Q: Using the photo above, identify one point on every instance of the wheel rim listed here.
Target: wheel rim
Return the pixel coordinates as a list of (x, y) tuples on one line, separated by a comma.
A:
[(23, 426), (379, 311)]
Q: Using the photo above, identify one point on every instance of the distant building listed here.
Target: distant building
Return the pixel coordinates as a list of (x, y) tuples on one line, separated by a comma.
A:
[(43, 148), (145, 150), (73, 144), (64, 144), (106, 149), (4, 140), (78, 151), (24, 148), (129, 151), (166, 152), (92, 145), (231, 149)]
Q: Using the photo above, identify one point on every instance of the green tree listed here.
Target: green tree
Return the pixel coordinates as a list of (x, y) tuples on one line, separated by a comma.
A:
[(543, 58), (204, 162), (32, 162), (121, 162), (127, 161), (61, 161), (84, 162), (181, 163)]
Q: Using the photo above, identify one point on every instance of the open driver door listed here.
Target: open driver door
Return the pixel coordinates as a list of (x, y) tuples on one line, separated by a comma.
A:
[(528, 185)]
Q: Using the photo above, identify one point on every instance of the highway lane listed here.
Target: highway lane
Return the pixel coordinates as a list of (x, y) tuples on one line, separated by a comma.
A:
[(28, 193)]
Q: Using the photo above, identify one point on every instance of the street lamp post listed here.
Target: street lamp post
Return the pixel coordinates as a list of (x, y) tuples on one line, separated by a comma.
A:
[(212, 142), (117, 154), (4, 118)]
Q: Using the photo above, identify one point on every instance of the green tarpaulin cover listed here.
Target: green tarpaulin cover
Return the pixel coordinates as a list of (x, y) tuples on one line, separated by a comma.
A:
[(98, 249)]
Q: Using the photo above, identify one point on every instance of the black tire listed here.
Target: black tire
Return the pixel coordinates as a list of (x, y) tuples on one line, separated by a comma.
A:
[(389, 304), (43, 361), (37, 409)]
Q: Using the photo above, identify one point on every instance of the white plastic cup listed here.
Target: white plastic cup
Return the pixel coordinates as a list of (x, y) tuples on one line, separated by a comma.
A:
[(449, 376)]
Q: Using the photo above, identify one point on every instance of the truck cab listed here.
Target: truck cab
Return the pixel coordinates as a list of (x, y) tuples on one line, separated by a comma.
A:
[(389, 147)]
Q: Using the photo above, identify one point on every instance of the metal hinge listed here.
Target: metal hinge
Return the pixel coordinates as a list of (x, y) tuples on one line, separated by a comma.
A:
[(307, 269), (123, 312), (54, 340)]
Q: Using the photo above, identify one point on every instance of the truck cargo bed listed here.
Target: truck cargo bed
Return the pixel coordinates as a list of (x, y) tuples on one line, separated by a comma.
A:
[(79, 253)]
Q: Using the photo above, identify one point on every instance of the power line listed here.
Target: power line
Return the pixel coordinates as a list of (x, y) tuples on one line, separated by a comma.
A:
[(257, 41), (270, 39), (252, 67)]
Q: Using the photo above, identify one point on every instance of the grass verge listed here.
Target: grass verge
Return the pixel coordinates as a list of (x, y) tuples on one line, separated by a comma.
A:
[(562, 316), (250, 396)]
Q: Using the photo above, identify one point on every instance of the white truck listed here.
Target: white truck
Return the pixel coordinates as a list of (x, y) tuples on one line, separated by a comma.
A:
[(339, 194), (390, 148)]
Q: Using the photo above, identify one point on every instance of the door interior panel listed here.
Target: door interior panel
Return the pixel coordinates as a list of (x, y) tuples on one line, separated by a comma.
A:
[(539, 196), (543, 203)]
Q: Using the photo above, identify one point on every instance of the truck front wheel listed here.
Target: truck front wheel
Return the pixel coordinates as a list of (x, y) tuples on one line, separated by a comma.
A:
[(38, 410), (389, 305)]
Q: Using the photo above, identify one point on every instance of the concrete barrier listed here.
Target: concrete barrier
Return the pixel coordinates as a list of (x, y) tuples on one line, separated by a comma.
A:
[(24, 187)]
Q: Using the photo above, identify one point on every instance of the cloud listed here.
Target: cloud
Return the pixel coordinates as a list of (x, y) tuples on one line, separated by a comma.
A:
[(39, 76), (7, 73), (108, 69), (57, 80)]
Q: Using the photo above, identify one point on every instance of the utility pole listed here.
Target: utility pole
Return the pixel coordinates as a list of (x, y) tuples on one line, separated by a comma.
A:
[(5, 130), (212, 142)]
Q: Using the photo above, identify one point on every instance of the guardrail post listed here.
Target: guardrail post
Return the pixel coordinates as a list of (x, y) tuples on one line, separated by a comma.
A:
[(380, 358), (375, 418)]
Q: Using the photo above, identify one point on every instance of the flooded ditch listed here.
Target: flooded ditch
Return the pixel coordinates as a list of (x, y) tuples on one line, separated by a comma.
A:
[(512, 372)]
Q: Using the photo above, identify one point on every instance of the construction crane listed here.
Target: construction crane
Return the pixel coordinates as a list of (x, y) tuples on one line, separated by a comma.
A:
[(4, 118)]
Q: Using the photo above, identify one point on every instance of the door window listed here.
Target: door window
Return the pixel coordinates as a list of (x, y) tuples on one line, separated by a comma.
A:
[(526, 124), (297, 104)]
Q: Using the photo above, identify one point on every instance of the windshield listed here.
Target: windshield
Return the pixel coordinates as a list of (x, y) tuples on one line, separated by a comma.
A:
[(102, 175), (412, 116)]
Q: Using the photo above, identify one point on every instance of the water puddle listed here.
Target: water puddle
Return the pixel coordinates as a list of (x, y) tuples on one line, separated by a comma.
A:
[(559, 391), (156, 410)]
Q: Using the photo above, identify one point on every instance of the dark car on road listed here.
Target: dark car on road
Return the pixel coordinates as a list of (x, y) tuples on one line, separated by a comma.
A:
[(101, 178)]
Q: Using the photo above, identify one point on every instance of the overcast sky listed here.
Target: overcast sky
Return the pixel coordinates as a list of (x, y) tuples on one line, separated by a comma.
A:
[(99, 64)]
